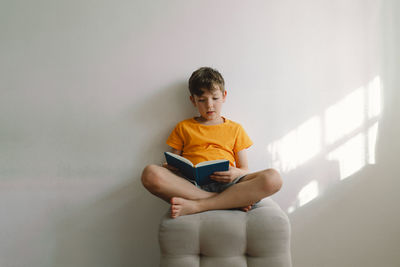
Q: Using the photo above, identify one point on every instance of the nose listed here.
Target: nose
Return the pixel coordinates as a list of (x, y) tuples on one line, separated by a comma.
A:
[(209, 103)]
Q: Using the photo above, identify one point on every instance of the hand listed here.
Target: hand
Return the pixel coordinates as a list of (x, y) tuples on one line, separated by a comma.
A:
[(169, 167), (227, 176)]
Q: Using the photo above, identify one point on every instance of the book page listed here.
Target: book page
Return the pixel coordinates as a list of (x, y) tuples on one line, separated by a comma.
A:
[(180, 158), (205, 163)]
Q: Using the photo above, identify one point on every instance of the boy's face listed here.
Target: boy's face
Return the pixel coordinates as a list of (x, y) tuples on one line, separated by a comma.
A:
[(209, 104)]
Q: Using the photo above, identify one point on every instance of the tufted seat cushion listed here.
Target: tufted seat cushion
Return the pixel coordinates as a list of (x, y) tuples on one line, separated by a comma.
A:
[(260, 237)]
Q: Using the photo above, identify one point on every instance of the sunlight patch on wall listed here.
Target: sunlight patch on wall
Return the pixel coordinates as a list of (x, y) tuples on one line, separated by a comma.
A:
[(353, 124), (298, 146), (345, 116), (345, 132), (350, 155), (372, 135), (374, 98), (374, 111), (306, 195)]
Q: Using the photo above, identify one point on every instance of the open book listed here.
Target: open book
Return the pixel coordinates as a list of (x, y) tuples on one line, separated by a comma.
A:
[(200, 172)]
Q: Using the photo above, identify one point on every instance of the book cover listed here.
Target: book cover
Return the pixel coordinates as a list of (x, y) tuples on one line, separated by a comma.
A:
[(200, 172)]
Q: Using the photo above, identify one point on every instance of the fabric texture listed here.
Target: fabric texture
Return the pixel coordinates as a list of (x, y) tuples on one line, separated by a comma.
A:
[(200, 142), (227, 238), (216, 187)]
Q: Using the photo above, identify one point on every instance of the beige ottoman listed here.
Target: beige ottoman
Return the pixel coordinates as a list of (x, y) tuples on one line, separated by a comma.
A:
[(260, 237)]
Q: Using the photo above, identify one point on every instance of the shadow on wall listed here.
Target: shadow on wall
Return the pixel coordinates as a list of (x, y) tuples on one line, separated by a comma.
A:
[(328, 147), (122, 227), (156, 115)]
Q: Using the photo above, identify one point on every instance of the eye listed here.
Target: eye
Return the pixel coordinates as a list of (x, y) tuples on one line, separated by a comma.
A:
[(216, 98), (201, 100)]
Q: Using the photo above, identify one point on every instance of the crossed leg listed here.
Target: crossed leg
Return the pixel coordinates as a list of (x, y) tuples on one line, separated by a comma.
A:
[(165, 184), (252, 188), (186, 199)]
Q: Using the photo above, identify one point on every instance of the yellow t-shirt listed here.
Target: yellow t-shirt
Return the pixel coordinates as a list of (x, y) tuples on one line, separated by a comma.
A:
[(200, 142)]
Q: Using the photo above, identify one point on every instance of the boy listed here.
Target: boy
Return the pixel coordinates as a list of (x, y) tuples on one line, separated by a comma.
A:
[(209, 137)]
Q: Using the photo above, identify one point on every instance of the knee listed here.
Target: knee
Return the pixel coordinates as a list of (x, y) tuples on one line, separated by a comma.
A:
[(272, 181), (151, 177)]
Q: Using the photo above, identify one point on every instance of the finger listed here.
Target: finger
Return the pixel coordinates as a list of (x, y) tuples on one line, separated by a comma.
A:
[(166, 165), (225, 176), (222, 173), (170, 167), (217, 178)]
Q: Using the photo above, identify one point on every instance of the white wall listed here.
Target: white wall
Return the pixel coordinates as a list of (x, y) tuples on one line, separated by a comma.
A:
[(355, 223), (89, 91)]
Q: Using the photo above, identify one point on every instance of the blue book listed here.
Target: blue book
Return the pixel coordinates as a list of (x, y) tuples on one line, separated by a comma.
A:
[(200, 172)]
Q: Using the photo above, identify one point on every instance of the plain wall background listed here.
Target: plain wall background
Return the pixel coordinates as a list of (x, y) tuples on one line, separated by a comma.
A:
[(91, 89)]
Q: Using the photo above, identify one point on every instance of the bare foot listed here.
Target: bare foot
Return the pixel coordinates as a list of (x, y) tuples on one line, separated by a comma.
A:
[(246, 209), (181, 206)]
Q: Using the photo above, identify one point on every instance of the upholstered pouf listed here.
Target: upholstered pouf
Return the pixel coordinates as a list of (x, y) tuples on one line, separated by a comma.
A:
[(231, 238)]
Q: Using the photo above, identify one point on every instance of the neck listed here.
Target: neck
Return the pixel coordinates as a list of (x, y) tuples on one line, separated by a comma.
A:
[(203, 121)]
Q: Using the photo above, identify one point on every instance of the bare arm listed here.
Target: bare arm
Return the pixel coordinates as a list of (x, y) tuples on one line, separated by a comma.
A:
[(241, 161), (233, 172)]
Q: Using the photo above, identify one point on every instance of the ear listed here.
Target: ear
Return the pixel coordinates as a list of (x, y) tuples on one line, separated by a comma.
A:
[(192, 100), (224, 96)]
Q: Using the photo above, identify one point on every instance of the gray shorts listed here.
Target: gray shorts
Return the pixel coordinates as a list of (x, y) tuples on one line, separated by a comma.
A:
[(216, 187)]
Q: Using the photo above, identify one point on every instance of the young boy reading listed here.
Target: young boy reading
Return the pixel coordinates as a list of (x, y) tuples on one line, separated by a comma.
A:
[(210, 136)]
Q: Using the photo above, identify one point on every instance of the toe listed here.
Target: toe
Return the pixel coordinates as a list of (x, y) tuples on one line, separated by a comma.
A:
[(177, 201)]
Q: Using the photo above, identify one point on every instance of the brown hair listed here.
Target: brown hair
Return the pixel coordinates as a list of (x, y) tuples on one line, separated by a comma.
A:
[(205, 78)]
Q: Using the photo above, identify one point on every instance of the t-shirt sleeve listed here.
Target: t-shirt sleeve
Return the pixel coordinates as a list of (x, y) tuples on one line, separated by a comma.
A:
[(175, 139), (243, 141)]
